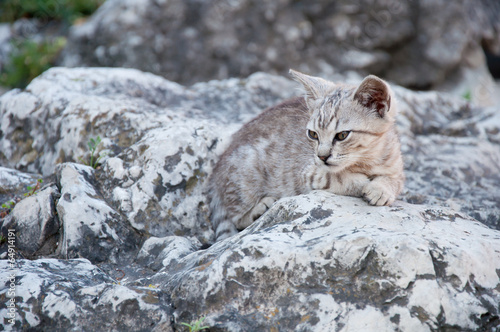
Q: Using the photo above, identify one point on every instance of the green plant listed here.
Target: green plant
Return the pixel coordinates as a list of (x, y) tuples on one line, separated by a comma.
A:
[(32, 190), (196, 325), (9, 205), (6, 208), (61, 10), (467, 95), (28, 59), (92, 145)]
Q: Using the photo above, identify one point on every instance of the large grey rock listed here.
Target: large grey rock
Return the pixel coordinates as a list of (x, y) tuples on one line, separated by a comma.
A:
[(452, 153), (414, 43), (121, 106), (312, 262), (36, 222), (162, 139), (70, 219), (74, 295), (321, 262), (90, 227), (316, 261)]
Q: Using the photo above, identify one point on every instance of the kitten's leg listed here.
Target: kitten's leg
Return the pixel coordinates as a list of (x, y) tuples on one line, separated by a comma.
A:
[(258, 210), (350, 184), (382, 190), (261, 207), (224, 230), (223, 226), (228, 228)]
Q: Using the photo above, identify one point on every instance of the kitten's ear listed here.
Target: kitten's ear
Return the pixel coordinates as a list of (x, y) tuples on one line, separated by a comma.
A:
[(375, 94), (315, 87)]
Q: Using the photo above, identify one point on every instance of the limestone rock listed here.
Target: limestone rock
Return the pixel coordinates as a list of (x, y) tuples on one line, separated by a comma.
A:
[(321, 262), (414, 43), (133, 234), (14, 184), (161, 140), (90, 227), (36, 223), (451, 152), (70, 295), (120, 105), (312, 262)]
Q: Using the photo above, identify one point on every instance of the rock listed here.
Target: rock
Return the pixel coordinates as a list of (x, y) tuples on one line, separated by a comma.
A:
[(90, 227), (312, 262), (321, 262), (164, 196), (139, 221), (417, 44), (125, 105), (14, 182), (451, 152), (36, 222), (70, 219), (157, 253), (160, 141), (70, 295)]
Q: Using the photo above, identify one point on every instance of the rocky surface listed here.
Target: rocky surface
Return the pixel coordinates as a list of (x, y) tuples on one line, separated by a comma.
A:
[(132, 235), (414, 43), (70, 295), (324, 263)]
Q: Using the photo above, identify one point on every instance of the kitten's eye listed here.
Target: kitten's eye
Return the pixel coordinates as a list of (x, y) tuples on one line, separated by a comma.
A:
[(312, 134), (342, 135)]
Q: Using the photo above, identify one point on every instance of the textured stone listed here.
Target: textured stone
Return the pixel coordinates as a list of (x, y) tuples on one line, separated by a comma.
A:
[(321, 262), (161, 140), (157, 253), (70, 295), (452, 153), (414, 43), (90, 227), (14, 182), (313, 262), (35, 220)]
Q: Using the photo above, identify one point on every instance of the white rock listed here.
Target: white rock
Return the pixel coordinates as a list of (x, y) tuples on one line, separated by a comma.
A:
[(337, 263)]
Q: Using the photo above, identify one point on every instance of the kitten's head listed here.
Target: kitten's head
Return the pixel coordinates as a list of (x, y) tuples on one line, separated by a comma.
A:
[(347, 123)]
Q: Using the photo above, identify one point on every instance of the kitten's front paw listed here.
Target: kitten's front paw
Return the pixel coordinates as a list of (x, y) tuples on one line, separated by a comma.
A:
[(376, 193), (261, 207)]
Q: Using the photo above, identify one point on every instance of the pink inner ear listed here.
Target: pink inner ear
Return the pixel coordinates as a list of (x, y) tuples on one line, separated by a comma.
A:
[(373, 96), (381, 102)]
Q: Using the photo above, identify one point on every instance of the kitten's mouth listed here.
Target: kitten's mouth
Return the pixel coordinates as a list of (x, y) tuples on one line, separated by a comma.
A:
[(328, 163)]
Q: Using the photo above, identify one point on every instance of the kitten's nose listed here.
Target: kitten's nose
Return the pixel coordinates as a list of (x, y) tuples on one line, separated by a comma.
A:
[(324, 158)]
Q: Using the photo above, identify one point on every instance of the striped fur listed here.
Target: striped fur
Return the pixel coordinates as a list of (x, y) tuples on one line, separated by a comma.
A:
[(273, 155)]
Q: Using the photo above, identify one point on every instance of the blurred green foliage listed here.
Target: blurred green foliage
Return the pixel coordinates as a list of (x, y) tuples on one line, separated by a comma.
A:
[(61, 10), (28, 59), (467, 95)]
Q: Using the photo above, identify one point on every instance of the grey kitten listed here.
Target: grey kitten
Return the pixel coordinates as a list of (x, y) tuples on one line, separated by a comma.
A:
[(338, 138)]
